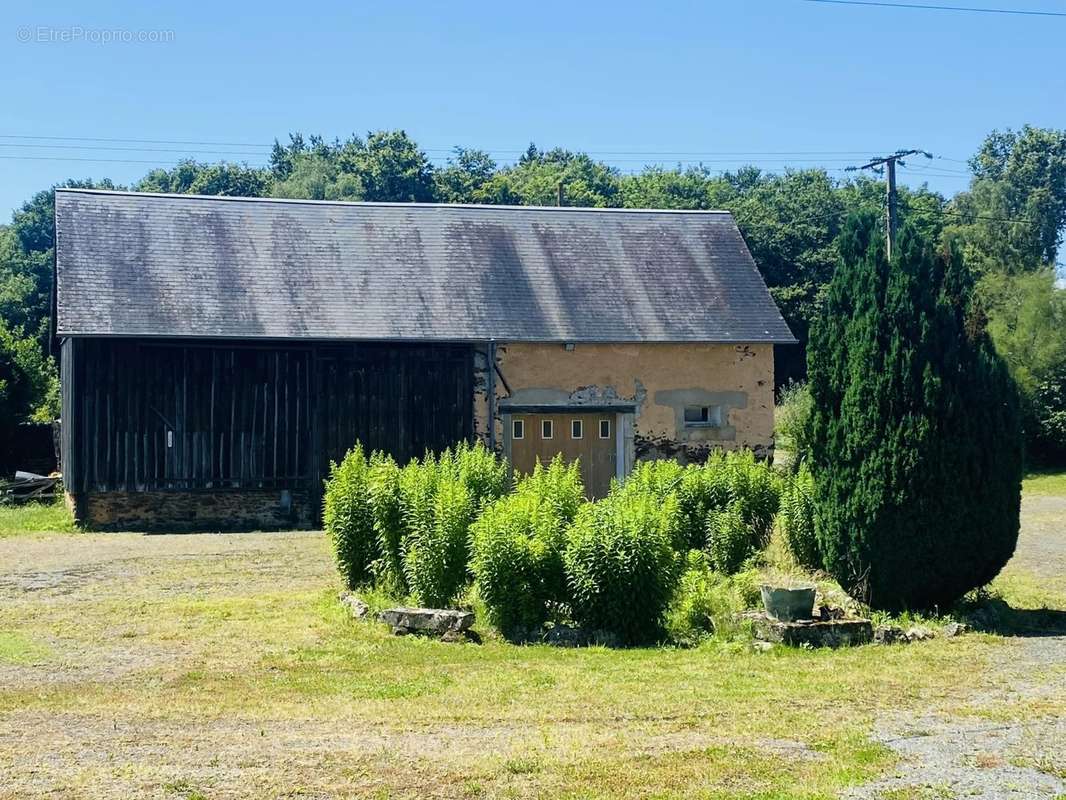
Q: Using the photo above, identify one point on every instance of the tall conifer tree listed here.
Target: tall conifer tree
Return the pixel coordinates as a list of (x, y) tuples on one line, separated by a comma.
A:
[(916, 440)]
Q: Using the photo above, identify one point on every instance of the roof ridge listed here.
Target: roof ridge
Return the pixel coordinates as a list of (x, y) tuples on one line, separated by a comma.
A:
[(384, 204)]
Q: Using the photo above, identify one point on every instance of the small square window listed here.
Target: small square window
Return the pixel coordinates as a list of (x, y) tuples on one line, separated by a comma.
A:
[(706, 416), (547, 429), (697, 413), (576, 429), (605, 429), (518, 429)]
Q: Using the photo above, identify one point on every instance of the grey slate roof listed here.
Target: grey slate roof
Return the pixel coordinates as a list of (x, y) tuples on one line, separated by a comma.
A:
[(131, 264)]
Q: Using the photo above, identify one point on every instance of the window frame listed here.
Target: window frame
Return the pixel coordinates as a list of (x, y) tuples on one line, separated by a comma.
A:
[(518, 429), (579, 426), (549, 426), (710, 417), (606, 422)]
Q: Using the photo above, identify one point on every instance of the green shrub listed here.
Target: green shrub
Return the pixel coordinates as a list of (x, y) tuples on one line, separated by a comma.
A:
[(408, 529), (518, 544), (659, 478), (348, 518), (386, 504), (702, 488), (438, 529), (621, 566), (691, 615), (559, 484), (485, 476), (797, 519), (730, 539), (916, 444), (755, 492), (725, 479), (709, 603), (790, 423), (746, 586)]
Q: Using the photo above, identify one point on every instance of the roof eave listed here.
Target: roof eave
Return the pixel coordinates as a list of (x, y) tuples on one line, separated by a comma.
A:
[(67, 334)]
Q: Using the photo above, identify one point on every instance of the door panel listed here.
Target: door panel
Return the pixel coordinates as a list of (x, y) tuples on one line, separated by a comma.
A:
[(575, 435)]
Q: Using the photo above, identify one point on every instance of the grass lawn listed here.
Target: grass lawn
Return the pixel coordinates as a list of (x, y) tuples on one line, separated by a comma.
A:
[(35, 518), (218, 666), (1045, 483)]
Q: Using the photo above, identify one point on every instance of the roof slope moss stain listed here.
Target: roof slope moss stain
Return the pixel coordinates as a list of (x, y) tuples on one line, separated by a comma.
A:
[(134, 264)]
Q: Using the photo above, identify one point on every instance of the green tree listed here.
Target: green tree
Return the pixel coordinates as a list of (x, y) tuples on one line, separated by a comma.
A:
[(1009, 225), (194, 177), (1012, 218), (390, 167), (315, 176), (790, 223), (693, 188), (535, 181), (465, 176), (1027, 322), (28, 384), (386, 167), (915, 427)]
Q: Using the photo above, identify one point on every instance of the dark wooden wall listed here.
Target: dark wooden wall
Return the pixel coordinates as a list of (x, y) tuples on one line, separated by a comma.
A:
[(404, 401), (146, 416)]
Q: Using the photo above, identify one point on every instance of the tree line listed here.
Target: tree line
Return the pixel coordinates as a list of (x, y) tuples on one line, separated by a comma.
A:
[(1007, 224)]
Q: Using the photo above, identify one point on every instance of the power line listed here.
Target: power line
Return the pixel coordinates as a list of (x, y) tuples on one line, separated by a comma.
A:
[(979, 217), (131, 141), (231, 157), (692, 163), (499, 151), (918, 211), (935, 169), (73, 158), (172, 164), (928, 7), (130, 149), (937, 173)]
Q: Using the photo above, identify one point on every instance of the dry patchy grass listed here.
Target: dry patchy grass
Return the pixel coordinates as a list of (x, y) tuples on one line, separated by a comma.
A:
[(221, 664), (218, 666)]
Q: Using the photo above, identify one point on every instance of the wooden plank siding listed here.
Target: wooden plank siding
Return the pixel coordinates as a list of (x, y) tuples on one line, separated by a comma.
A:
[(150, 416)]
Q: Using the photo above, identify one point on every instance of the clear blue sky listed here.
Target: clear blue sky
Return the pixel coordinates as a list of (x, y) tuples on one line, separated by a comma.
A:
[(702, 79)]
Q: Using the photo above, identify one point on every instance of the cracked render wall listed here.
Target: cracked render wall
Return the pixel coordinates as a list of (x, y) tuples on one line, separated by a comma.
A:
[(660, 380)]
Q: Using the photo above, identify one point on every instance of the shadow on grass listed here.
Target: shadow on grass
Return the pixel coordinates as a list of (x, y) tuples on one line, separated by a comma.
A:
[(997, 616)]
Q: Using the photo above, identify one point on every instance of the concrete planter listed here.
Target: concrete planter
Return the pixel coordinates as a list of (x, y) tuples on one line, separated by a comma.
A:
[(788, 605)]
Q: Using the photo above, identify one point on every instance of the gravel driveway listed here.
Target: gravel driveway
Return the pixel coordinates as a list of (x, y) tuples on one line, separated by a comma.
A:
[(975, 755)]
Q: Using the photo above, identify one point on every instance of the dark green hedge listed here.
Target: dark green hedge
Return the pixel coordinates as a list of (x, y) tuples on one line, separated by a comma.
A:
[(915, 439)]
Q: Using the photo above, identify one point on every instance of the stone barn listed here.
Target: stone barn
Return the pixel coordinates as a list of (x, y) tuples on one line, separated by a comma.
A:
[(217, 353)]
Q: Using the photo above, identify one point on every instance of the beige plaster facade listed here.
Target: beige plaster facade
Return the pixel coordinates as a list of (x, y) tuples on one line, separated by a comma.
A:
[(657, 382)]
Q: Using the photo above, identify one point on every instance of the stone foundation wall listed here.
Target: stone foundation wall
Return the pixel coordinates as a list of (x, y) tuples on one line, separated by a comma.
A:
[(232, 510)]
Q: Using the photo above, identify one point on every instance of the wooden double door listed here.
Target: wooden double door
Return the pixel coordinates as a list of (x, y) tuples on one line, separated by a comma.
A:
[(589, 437)]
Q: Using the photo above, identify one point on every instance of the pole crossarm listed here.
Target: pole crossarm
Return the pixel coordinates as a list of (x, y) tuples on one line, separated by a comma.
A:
[(897, 157), (888, 163)]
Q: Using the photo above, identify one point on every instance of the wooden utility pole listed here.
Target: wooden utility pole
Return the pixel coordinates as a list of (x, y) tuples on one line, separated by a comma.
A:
[(887, 165), (890, 222)]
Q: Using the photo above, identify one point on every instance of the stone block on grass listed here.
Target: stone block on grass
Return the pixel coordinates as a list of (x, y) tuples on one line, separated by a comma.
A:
[(811, 633), (427, 621)]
